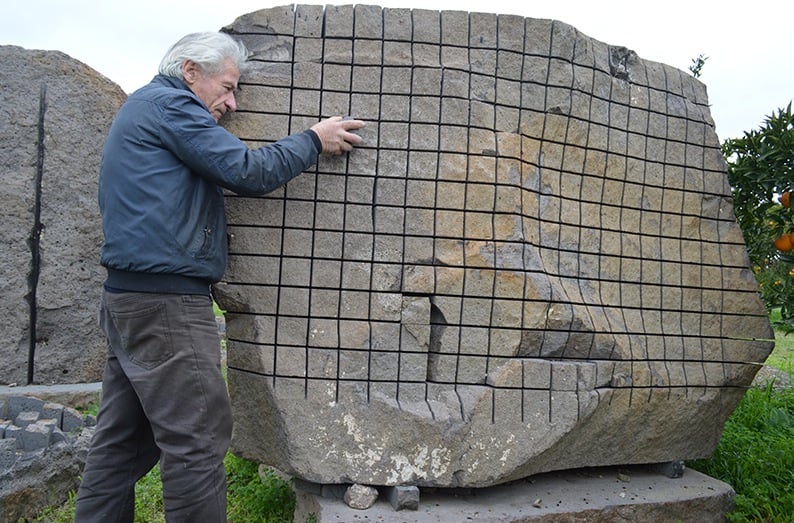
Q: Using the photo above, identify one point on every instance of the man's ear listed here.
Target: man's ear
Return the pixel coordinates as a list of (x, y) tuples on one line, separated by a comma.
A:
[(190, 71)]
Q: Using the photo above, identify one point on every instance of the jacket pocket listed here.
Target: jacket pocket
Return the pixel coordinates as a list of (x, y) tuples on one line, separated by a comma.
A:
[(208, 227), (202, 245)]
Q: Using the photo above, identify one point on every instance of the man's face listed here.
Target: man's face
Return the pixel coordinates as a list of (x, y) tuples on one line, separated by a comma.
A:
[(216, 91)]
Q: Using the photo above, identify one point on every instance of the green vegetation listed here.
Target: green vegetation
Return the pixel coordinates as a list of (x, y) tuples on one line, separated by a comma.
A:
[(783, 356), (760, 172), (756, 456), (149, 498), (255, 497), (697, 65)]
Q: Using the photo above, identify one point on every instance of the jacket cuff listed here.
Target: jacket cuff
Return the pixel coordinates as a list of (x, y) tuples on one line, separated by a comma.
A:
[(316, 139)]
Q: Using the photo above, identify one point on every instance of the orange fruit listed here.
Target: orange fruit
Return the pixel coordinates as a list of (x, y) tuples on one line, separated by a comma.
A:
[(785, 199), (784, 243)]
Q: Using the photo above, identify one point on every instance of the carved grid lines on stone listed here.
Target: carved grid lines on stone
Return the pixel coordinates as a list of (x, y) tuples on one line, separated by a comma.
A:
[(516, 219)]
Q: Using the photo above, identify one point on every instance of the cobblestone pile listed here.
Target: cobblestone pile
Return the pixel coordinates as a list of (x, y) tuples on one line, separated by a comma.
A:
[(42, 452)]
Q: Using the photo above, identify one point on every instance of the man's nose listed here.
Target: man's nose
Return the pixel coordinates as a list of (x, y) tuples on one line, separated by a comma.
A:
[(231, 103)]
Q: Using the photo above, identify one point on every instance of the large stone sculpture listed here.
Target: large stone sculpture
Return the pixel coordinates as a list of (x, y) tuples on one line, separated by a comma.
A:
[(531, 264), (54, 114)]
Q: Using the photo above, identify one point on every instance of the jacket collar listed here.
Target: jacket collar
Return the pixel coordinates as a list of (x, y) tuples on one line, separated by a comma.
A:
[(170, 81)]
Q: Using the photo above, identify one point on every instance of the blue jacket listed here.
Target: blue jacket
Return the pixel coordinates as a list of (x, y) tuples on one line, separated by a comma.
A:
[(164, 165)]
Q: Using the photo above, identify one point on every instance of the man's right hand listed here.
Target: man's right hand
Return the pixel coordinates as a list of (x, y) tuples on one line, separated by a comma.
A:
[(335, 135)]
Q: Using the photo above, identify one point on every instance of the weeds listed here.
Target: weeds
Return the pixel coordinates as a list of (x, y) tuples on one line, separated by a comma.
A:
[(255, 498)]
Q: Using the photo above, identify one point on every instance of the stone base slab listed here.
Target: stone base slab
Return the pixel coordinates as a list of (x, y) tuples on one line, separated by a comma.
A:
[(606, 494), (76, 395)]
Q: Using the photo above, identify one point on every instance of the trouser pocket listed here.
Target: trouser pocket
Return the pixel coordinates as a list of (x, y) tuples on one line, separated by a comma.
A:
[(143, 331)]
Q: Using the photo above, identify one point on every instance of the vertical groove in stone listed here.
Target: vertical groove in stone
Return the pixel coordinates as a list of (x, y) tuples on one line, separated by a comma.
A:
[(35, 234)]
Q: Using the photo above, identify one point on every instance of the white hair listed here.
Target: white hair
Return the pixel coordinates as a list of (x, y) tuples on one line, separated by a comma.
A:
[(209, 50)]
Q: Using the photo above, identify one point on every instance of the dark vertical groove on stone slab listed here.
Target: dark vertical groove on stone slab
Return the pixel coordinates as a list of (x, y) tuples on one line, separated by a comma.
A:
[(35, 235)]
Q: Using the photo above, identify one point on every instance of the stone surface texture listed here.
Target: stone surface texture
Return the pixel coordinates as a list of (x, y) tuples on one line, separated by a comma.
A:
[(531, 264), (54, 114)]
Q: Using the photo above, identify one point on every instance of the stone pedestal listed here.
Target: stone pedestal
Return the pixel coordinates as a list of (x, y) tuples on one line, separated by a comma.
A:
[(637, 493)]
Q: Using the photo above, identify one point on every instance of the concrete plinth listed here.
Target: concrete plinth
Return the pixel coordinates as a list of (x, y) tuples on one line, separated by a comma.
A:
[(636, 493)]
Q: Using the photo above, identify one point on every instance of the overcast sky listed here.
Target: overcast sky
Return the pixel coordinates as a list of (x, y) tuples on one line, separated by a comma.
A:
[(749, 73)]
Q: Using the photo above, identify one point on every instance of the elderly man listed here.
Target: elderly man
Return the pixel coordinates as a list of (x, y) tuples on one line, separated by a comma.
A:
[(165, 163)]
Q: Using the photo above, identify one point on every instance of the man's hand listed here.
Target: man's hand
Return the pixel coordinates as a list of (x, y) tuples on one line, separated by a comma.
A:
[(335, 134)]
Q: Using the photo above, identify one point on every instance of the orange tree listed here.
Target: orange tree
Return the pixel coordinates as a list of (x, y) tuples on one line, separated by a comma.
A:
[(761, 175)]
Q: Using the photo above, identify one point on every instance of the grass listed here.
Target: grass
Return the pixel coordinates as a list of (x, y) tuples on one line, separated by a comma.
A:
[(255, 497), (783, 356), (756, 456)]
